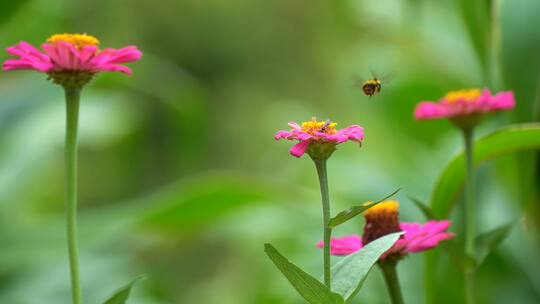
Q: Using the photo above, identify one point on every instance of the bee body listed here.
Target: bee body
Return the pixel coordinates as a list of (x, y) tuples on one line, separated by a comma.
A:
[(371, 87), (325, 125)]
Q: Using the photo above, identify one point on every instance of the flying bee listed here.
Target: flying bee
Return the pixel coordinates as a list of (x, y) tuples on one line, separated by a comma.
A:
[(325, 125), (371, 86)]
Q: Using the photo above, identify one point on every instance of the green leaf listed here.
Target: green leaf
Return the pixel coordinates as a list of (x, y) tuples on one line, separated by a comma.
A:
[(517, 47), (311, 289), (349, 274), (505, 141), (485, 244), (457, 254), (476, 14), (428, 214), (122, 294), (488, 241), (348, 214)]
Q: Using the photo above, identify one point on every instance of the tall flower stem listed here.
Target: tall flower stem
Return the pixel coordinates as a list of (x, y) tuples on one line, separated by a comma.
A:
[(323, 181), (469, 213), (392, 282), (72, 122)]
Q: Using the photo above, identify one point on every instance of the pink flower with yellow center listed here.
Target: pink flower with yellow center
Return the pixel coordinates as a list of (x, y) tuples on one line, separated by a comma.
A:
[(382, 219), (465, 105), (319, 138), (69, 55)]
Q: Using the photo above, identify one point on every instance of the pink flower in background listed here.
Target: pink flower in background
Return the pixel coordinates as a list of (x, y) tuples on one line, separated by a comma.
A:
[(382, 219), (416, 238), (319, 132), (464, 103), (70, 52)]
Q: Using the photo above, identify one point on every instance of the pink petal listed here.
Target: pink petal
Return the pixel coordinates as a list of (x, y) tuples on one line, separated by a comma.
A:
[(27, 51), (282, 134), (294, 125), (344, 245), (350, 129), (126, 54), (429, 110), (29, 58), (67, 57), (51, 51), (301, 135), (114, 68), (16, 64), (300, 148), (108, 59), (503, 101), (431, 242), (87, 52), (424, 237)]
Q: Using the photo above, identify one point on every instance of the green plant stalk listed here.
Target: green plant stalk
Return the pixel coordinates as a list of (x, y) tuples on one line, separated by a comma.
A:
[(323, 181), (496, 83), (72, 122), (430, 275), (391, 279), (469, 213)]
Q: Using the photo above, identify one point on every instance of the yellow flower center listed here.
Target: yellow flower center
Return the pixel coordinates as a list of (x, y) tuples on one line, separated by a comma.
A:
[(469, 95), (384, 207), (77, 40), (313, 126), (381, 219)]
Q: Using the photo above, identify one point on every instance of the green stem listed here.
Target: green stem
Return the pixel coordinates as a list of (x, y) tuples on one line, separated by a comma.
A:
[(323, 181), (392, 282), (469, 213), (72, 119), (430, 275), (495, 80)]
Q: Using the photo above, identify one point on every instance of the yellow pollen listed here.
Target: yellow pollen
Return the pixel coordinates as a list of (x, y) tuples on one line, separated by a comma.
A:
[(313, 126), (466, 95), (386, 206), (77, 40)]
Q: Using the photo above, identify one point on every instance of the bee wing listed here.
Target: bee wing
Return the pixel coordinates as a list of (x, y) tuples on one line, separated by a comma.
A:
[(357, 80), (388, 77), (374, 74)]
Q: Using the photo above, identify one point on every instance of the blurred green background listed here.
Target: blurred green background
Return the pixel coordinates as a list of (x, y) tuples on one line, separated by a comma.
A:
[(180, 177)]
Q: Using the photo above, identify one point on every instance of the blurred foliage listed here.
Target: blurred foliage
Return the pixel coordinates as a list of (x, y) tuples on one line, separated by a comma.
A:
[(179, 175)]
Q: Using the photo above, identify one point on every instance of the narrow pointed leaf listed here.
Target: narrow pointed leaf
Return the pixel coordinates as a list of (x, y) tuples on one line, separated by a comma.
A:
[(505, 141), (348, 214), (476, 15), (311, 289), (457, 254), (122, 294), (349, 274), (428, 214), (488, 241)]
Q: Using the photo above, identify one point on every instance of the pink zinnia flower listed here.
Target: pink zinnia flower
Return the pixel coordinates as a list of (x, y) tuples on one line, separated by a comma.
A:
[(323, 133), (464, 104), (68, 55), (382, 219)]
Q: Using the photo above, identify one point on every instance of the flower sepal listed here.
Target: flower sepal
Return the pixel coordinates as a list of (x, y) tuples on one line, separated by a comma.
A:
[(467, 122), (71, 79), (321, 150)]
